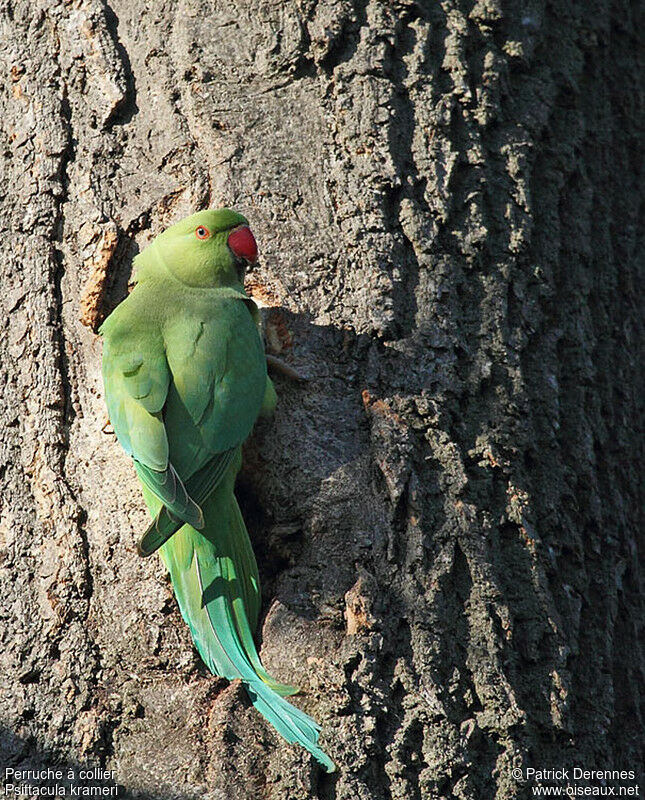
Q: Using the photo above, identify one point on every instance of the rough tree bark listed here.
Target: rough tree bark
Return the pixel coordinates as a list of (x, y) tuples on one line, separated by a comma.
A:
[(446, 196)]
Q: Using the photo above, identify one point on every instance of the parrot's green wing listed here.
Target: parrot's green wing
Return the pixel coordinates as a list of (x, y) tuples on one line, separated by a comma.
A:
[(213, 401), (136, 386), (199, 486)]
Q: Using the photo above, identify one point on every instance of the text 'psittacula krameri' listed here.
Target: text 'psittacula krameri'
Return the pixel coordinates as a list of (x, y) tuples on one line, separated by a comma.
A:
[(185, 380)]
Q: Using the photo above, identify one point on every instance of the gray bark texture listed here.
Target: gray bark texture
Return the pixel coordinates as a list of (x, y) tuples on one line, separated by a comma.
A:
[(446, 196)]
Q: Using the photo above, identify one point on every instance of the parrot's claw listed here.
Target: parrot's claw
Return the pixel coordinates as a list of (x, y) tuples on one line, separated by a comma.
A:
[(284, 369)]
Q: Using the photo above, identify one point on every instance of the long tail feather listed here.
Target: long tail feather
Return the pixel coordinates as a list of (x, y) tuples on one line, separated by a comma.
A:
[(215, 578)]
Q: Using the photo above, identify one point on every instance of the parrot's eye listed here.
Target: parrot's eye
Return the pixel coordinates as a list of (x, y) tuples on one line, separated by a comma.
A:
[(202, 232)]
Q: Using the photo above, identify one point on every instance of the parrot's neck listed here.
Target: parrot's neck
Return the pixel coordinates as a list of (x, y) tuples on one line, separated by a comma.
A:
[(151, 265)]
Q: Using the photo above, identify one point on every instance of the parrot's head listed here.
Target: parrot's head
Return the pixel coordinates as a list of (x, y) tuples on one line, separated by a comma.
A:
[(210, 248)]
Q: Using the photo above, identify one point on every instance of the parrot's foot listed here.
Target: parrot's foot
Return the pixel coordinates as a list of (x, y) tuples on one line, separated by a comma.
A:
[(284, 369)]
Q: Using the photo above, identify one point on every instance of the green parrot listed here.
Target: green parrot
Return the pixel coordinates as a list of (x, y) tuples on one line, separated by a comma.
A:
[(185, 379)]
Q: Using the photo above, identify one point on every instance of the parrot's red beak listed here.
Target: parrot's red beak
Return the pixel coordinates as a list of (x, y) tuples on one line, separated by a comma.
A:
[(243, 244)]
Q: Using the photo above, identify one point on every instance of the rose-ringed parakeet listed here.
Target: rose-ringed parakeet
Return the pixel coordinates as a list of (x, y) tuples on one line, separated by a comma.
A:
[(185, 380)]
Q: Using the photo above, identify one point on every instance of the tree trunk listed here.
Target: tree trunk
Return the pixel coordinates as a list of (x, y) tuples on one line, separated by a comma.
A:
[(446, 197)]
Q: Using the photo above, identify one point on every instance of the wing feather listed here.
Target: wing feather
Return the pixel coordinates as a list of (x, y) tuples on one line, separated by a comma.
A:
[(136, 387)]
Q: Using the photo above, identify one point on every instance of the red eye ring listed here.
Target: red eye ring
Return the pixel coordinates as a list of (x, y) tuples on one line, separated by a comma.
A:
[(202, 232)]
